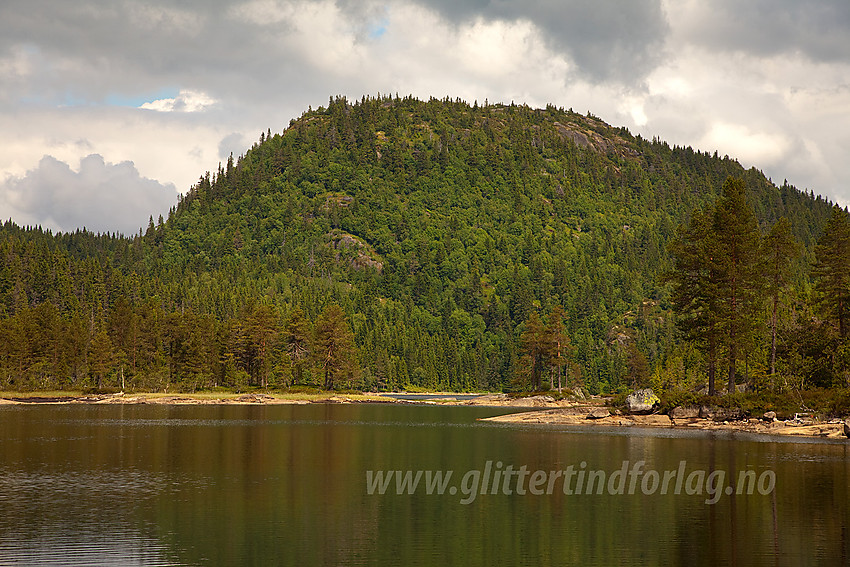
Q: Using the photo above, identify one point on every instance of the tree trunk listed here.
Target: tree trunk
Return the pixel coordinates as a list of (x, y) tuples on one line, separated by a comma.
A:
[(711, 367), (733, 346), (733, 355), (773, 336), (558, 367)]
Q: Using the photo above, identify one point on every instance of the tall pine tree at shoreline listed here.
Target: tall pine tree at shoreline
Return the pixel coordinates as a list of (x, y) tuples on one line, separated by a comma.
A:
[(736, 255)]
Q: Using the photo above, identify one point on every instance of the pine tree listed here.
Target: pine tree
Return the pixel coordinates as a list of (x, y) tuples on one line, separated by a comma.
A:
[(533, 347), (779, 250), (100, 356), (262, 327), (736, 255), (558, 345), (638, 367)]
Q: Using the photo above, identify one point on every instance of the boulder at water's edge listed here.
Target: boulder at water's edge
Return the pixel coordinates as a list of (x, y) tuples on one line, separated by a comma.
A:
[(642, 401)]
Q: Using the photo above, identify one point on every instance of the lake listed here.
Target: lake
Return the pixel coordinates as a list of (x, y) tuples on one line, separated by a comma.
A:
[(290, 485)]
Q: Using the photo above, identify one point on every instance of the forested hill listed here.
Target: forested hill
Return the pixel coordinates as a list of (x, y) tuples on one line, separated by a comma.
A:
[(438, 227)]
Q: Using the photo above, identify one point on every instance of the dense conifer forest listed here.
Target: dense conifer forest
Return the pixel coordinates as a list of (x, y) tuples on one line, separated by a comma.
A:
[(392, 243)]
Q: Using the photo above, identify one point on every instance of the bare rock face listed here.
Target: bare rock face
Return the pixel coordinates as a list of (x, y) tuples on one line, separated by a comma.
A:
[(769, 415), (847, 428), (707, 412), (721, 414), (684, 412), (575, 394), (642, 401), (531, 402), (598, 413)]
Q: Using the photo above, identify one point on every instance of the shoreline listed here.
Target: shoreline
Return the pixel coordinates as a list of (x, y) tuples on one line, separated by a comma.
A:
[(533, 410), (579, 416), (259, 398)]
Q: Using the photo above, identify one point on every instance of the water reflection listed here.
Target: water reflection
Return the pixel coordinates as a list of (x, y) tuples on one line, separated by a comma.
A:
[(285, 485)]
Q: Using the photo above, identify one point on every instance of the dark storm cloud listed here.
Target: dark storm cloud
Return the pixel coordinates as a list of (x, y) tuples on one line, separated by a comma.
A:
[(818, 30), (616, 41), (87, 52)]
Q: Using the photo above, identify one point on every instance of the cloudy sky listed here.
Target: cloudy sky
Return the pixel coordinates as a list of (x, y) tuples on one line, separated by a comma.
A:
[(110, 108)]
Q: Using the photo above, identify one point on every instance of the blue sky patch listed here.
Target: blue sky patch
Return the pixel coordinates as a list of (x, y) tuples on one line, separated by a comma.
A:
[(137, 100), (379, 28)]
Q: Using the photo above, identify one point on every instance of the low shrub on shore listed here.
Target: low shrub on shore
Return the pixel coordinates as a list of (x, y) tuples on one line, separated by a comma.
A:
[(822, 402)]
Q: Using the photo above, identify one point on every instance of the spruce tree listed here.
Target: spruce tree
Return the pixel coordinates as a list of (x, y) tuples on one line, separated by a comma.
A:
[(694, 278), (296, 342), (831, 270), (831, 275), (335, 350)]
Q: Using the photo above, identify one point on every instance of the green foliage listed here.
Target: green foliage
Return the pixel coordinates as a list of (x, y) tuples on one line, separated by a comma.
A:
[(821, 402), (680, 398), (778, 252), (437, 228), (723, 271), (734, 254), (695, 287), (334, 349), (831, 270)]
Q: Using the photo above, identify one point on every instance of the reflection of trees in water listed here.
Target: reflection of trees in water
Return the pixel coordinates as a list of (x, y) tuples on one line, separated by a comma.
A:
[(284, 485)]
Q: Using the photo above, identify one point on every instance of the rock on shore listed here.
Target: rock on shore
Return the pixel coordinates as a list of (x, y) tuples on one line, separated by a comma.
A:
[(598, 413), (642, 401)]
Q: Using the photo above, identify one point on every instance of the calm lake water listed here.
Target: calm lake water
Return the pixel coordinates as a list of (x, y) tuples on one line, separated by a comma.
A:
[(287, 485)]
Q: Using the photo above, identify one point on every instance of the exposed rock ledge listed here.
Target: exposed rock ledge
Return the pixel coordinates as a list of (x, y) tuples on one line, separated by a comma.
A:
[(586, 416)]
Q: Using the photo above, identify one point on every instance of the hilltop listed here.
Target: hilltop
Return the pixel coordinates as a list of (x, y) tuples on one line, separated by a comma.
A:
[(437, 226)]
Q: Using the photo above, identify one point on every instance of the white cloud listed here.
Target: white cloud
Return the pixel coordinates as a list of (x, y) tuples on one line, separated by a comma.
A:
[(174, 147), (668, 69), (100, 196), (739, 141), (782, 112), (186, 101)]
